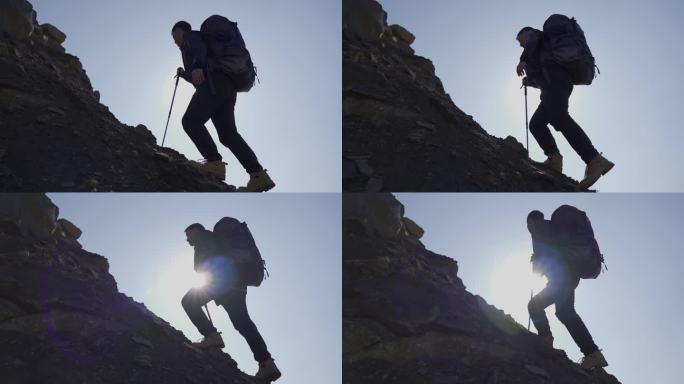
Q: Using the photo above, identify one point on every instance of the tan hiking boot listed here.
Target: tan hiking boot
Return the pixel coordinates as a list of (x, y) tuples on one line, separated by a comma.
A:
[(216, 169), (597, 167), (594, 360), (268, 372), (258, 182), (213, 340), (555, 162)]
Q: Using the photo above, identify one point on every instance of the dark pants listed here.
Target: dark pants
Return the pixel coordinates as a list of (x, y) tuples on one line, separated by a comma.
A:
[(235, 304), (560, 290), (553, 109), (220, 108)]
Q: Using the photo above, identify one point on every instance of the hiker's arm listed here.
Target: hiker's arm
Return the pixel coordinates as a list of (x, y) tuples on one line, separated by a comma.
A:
[(531, 47), (198, 51)]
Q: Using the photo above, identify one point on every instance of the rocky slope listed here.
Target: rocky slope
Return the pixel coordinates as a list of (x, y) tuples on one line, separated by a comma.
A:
[(408, 319), (55, 135), (62, 319), (402, 132)]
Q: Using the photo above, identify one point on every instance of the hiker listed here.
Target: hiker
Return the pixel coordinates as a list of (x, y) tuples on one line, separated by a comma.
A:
[(228, 288), (542, 69), (214, 98), (553, 244)]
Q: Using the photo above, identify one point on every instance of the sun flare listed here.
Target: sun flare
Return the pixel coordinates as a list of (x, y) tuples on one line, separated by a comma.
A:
[(511, 284)]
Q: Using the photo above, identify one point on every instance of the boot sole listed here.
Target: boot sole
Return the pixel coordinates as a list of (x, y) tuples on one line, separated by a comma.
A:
[(264, 189), (269, 379), (610, 166)]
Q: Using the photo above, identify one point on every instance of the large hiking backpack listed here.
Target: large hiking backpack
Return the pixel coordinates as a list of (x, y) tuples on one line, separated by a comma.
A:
[(227, 51), (575, 239), (568, 46), (236, 241)]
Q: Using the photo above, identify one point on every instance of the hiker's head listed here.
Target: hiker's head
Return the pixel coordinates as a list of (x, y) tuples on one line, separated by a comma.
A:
[(178, 31), (522, 35), (192, 232), (533, 219)]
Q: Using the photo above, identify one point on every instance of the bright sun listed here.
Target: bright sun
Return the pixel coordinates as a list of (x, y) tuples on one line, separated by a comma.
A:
[(170, 283), (510, 285)]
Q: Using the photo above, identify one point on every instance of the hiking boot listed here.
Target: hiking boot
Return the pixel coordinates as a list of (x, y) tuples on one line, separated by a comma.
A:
[(597, 167), (216, 169), (268, 372), (594, 360), (548, 340), (258, 182), (555, 162), (213, 340)]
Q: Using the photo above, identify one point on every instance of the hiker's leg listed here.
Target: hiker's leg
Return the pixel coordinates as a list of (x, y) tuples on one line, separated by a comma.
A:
[(557, 97), (192, 302), (224, 121), (540, 130), (565, 311), (235, 303), (536, 308), (199, 111)]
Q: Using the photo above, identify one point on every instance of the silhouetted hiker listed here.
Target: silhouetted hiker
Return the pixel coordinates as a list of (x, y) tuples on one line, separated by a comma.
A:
[(540, 62), (232, 261), (215, 95), (564, 251)]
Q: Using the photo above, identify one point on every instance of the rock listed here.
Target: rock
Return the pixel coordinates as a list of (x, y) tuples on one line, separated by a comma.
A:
[(515, 145), (537, 371), (412, 228), (142, 341), (58, 111), (96, 93), (363, 19), (69, 229), (53, 32), (403, 35), (16, 19), (143, 360), (34, 214)]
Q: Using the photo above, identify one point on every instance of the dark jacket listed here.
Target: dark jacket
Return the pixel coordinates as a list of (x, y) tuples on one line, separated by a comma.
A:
[(545, 248), (536, 54), (194, 53), (206, 246)]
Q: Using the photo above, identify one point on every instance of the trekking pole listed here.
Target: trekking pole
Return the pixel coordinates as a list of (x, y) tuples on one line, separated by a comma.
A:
[(207, 309), (169, 118), (527, 128)]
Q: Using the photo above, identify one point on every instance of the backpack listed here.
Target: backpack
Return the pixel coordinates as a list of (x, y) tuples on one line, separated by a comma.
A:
[(575, 239), (568, 47), (227, 51), (236, 241)]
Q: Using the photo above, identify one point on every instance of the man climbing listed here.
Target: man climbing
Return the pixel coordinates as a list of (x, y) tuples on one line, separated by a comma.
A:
[(228, 289), (214, 98), (542, 70), (549, 259)]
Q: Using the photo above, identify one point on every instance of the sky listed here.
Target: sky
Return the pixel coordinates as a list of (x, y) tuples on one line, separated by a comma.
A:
[(632, 310), (298, 309), (292, 119), (632, 110)]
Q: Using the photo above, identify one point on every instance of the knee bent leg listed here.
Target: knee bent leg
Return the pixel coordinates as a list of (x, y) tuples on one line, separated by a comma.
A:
[(566, 314)]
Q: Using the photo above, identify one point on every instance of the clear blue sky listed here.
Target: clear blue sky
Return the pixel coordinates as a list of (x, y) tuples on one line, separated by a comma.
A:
[(633, 310), (632, 112), (298, 309), (292, 119)]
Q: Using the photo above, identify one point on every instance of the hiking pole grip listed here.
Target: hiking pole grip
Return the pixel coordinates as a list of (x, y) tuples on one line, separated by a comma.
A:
[(170, 108)]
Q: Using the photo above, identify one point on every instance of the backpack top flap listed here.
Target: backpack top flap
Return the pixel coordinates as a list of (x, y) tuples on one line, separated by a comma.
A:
[(219, 28), (571, 226), (235, 240)]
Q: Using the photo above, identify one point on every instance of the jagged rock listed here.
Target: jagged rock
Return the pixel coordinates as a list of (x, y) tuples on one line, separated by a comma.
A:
[(63, 320), (70, 229), (53, 32), (34, 214), (57, 134), (396, 112), (363, 19), (412, 228), (407, 318), (16, 19), (401, 33), (96, 93)]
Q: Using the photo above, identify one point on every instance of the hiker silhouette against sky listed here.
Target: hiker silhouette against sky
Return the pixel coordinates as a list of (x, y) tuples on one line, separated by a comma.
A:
[(226, 286), (541, 68), (214, 98), (555, 244)]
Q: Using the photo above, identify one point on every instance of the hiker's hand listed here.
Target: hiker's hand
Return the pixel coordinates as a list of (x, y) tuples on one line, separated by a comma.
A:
[(180, 72), (525, 83), (520, 69), (197, 76)]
